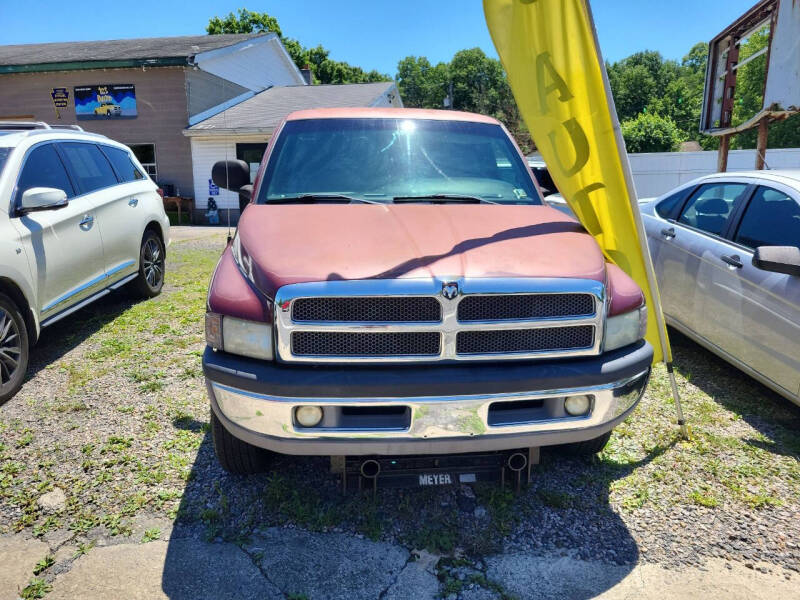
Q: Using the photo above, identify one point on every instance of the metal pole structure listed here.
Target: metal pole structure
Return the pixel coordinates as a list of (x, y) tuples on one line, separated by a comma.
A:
[(722, 154), (761, 146), (640, 232)]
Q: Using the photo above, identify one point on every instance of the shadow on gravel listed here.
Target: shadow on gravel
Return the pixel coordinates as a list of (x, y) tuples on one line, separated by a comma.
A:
[(766, 411), (564, 512), (65, 335)]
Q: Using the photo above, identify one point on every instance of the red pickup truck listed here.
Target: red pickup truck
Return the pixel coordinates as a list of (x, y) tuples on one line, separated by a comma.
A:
[(396, 286)]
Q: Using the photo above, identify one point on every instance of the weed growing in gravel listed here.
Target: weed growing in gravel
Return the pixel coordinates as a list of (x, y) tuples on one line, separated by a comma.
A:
[(36, 588), (151, 535), (83, 548), (44, 564)]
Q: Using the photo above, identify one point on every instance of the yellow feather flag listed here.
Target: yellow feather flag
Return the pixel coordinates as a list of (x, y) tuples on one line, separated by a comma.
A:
[(553, 62)]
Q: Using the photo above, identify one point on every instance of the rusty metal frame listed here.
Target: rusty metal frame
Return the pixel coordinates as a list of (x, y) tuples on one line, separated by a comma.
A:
[(763, 12)]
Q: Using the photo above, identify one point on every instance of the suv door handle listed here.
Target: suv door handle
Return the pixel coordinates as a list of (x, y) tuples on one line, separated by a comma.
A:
[(732, 261), (668, 232), (86, 222), (133, 202)]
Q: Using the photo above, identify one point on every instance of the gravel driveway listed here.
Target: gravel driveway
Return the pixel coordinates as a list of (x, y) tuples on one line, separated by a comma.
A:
[(107, 443)]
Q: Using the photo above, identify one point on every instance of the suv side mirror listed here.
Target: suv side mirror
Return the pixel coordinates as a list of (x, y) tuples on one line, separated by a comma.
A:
[(778, 259), (230, 174), (42, 198)]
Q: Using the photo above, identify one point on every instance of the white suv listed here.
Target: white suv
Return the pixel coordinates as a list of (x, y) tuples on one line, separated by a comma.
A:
[(79, 217)]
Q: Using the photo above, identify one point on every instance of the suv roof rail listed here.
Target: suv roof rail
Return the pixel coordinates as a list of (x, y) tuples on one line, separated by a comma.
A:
[(73, 127), (23, 125), (34, 125)]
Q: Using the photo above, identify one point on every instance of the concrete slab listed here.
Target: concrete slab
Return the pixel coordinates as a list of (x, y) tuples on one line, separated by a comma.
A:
[(327, 566), (18, 556), (534, 578), (417, 580), (179, 569)]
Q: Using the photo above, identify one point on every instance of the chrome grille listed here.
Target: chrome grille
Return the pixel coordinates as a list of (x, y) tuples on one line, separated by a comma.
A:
[(406, 320), (525, 340), (517, 307), (368, 310), (332, 343)]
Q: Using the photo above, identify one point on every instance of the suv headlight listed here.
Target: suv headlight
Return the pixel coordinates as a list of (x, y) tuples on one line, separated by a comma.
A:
[(625, 329), (237, 336)]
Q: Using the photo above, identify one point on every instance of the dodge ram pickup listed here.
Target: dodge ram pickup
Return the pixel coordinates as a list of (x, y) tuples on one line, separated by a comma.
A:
[(396, 286)]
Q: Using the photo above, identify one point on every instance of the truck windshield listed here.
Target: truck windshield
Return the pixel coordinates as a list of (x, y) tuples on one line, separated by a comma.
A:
[(379, 160)]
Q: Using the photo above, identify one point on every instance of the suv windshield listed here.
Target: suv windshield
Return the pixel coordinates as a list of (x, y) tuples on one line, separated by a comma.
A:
[(381, 160)]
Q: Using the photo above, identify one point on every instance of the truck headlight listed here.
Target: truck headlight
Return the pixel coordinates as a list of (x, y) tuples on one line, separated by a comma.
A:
[(625, 329), (238, 336)]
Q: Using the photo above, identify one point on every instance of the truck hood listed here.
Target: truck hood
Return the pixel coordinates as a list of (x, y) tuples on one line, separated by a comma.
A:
[(283, 244)]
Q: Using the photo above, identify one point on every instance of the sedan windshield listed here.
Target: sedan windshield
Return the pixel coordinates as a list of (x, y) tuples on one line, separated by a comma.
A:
[(403, 160)]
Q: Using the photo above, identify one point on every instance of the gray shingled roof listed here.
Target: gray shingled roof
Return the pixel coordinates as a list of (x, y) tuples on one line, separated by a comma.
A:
[(264, 111), (116, 50)]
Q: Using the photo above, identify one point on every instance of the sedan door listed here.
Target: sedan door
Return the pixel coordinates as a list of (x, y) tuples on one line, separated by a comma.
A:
[(114, 202), (64, 245), (688, 251), (756, 313)]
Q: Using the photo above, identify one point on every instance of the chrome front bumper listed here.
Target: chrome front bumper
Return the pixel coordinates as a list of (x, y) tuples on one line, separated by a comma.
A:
[(461, 423)]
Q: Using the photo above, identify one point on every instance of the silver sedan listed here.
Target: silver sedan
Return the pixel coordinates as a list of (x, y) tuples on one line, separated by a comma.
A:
[(726, 250)]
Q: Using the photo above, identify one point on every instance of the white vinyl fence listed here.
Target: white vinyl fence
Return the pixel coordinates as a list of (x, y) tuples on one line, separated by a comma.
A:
[(658, 172)]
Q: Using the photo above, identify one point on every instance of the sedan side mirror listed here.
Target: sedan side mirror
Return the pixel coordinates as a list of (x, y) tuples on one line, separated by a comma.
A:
[(231, 174), (778, 259), (42, 198)]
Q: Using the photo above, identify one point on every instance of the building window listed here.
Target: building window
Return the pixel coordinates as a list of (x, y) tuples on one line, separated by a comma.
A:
[(146, 154)]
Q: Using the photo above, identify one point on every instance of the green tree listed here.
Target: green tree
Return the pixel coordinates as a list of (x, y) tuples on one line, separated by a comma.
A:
[(246, 21), (421, 84), (324, 69), (651, 133), (478, 83)]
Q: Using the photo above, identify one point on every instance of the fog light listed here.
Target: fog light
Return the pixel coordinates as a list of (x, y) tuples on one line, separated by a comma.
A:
[(577, 405), (308, 416)]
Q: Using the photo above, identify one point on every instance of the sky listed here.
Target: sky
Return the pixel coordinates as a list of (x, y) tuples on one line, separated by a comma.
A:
[(373, 34)]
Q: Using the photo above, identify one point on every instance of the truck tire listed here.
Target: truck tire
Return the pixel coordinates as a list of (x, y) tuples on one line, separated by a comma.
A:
[(234, 455), (588, 447), (14, 349), (151, 266)]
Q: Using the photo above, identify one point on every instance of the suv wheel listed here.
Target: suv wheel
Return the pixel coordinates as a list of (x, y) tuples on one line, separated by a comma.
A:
[(233, 454), (151, 266), (13, 348)]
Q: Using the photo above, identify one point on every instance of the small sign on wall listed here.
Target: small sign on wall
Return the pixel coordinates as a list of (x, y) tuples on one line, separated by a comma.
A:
[(60, 98), (106, 101), (213, 190)]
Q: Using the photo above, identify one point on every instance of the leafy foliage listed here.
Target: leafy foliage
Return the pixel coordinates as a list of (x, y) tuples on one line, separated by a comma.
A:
[(325, 69), (651, 133), (479, 84)]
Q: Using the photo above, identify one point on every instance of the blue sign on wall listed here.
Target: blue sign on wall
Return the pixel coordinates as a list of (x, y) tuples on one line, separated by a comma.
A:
[(108, 101), (213, 190)]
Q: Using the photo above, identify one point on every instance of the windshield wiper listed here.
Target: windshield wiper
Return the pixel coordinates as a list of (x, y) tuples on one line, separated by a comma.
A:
[(321, 198), (444, 198)]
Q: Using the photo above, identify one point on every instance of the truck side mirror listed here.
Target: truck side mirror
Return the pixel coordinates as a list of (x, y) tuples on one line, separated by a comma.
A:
[(778, 259), (230, 174)]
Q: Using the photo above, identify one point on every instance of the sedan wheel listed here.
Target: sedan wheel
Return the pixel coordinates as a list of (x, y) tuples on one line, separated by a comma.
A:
[(13, 349)]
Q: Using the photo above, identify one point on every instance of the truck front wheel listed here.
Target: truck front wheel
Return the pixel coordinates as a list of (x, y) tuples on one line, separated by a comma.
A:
[(588, 447), (236, 456)]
